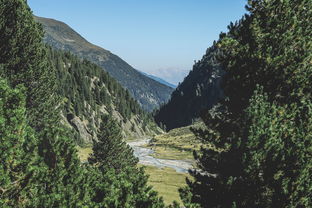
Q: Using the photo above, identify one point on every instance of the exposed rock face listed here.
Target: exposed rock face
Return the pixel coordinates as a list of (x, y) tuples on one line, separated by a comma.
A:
[(87, 93), (131, 129), (81, 128)]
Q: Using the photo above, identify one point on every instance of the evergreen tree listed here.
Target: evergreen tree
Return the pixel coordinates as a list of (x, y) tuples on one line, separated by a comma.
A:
[(25, 62), (118, 183), (200, 90), (260, 136), (39, 163), (110, 151), (84, 89), (17, 150), (276, 162)]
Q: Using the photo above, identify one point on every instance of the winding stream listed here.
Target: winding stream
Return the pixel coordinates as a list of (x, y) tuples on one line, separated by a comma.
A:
[(145, 158)]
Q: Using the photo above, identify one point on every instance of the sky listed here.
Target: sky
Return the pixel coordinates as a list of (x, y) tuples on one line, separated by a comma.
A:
[(159, 37)]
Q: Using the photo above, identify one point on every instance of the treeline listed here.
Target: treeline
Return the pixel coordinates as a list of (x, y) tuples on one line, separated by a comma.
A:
[(261, 133), (39, 164), (88, 92)]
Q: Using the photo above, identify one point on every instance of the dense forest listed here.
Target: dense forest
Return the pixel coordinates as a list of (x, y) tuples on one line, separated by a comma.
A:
[(252, 90), (88, 92), (260, 134), (39, 164), (199, 90)]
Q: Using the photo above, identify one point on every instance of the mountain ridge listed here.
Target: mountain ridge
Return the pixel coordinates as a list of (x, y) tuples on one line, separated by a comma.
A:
[(158, 79), (148, 92)]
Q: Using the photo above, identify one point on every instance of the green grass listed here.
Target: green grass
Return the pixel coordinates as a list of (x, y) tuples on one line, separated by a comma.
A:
[(165, 152), (176, 144), (166, 181), (130, 138)]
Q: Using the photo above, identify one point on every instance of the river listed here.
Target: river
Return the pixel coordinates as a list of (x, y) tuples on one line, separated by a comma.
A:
[(145, 158)]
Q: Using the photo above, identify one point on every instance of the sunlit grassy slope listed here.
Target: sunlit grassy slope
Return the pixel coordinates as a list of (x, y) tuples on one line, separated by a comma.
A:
[(177, 144), (83, 153)]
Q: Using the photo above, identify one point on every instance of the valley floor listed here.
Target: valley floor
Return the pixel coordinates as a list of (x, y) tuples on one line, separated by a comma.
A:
[(165, 175), (166, 157), (166, 181), (146, 156)]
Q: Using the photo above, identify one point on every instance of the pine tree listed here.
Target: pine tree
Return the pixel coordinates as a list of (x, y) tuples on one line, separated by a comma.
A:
[(18, 157), (260, 136), (40, 167), (118, 183), (24, 62), (277, 162), (23, 56), (110, 151)]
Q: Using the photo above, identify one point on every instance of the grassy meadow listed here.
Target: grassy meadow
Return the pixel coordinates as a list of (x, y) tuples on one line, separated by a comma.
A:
[(177, 144), (166, 181)]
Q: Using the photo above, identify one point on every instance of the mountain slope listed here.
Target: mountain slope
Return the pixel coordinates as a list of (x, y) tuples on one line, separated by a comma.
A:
[(88, 93), (148, 92), (199, 90)]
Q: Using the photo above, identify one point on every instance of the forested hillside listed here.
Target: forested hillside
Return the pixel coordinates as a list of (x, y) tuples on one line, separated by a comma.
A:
[(88, 92), (261, 133), (200, 90), (148, 92), (252, 90), (39, 164)]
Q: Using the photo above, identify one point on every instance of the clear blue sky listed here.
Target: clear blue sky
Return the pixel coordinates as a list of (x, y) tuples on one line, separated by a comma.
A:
[(160, 37)]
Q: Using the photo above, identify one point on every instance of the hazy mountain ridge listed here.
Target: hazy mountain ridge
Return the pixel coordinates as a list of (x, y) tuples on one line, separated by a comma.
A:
[(148, 92), (158, 79)]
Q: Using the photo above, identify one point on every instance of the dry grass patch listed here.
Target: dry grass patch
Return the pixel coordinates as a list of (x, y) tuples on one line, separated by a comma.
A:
[(83, 153)]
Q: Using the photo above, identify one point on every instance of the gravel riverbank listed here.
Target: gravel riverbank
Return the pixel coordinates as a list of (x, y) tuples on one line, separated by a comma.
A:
[(145, 158)]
